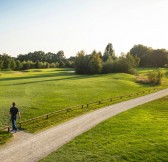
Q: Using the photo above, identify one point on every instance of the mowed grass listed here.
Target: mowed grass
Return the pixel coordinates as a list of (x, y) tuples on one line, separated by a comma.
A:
[(37, 92), (139, 134)]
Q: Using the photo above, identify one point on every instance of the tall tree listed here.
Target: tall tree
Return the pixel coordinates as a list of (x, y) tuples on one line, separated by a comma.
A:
[(125, 63), (141, 52), (109, 52), (108, 66), (6, 61), (81, 63), (12, 64), (19, 65), (95, 63), (159, 58)]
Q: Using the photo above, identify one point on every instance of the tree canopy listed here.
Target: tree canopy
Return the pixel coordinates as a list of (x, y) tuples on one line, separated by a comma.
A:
[(94, 63), (150, 57)]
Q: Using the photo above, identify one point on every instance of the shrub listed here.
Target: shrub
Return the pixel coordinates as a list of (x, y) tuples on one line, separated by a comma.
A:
[(133, 71), (155, 77), (166, 74)]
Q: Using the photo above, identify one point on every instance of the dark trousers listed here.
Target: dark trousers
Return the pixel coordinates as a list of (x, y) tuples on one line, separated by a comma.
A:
[(13, 119)]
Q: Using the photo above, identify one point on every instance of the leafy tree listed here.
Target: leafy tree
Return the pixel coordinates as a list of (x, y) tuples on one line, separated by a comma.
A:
[(1, 62), (46, 65), (159, 58), (27, 65), (141, 52), (109, 52), (19, 65), (6, 62), (108, 66), (88, 64), (95, 63), (81, 64), (40, 56), (12, 64), (125, 63), (52, 65), (60, 55), (39, 65)]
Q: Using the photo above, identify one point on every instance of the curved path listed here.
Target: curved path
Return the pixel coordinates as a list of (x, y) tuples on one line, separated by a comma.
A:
[(31, 148)]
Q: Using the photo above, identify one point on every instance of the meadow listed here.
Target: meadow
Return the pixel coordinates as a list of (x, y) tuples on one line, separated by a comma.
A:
[(40, 91), (139, 134)]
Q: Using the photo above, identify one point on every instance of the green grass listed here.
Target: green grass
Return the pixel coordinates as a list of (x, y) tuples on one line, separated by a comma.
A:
[(4, 136), (40, 91), (139, 134)]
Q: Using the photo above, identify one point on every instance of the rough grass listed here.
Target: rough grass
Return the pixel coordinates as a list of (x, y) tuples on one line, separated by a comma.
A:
[(140, 134), (4, 136)]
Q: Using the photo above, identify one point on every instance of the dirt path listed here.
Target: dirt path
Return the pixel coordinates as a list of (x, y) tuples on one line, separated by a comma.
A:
[(30, 148)]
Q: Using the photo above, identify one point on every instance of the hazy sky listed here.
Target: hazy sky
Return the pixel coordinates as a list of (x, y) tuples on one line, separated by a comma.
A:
[(74, 25)]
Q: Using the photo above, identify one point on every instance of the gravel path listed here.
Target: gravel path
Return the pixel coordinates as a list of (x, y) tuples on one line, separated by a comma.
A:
[(30, 148)]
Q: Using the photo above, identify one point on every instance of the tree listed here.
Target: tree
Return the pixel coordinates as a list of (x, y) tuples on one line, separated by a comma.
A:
[(27, 65), (60, 55), (95, 63), (109, 52), (108, 66), (141, 52), (1, 62), (81, 63), (19, 65), (12, 64), (159, 58), (38, 65), (125, 63), (6, 62)]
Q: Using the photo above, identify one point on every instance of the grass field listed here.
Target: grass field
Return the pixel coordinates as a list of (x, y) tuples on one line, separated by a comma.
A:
[(40, 91), (139, 134)]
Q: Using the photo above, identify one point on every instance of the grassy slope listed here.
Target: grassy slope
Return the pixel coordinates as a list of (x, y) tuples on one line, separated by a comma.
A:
[(38, 92), (140, 134), (41, 91)]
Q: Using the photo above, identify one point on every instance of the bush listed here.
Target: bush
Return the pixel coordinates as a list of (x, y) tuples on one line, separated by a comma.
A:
[(133, 71), (166, 74), (155, 77)]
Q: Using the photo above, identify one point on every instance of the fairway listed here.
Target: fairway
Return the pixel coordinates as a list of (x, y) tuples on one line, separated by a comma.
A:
[(38, 92), (139, 134)]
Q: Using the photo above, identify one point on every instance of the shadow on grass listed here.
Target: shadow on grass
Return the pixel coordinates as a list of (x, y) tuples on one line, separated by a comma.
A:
[(67, 78), (38, 76)]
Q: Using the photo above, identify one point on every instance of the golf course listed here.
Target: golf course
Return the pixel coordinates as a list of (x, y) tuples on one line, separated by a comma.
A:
[(38, 92), (41, 91)]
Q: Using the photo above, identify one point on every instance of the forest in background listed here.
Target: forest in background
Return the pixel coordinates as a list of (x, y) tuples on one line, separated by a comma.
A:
[(94, 63)]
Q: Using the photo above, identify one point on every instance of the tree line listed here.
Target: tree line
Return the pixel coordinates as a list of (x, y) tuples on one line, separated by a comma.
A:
[(37, 59), (94, 63), (138, 56), (150, 57)]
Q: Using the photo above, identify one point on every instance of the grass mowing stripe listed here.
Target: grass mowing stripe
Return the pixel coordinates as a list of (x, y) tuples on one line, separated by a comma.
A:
[(38, 93), (41, 91), (140, 134)]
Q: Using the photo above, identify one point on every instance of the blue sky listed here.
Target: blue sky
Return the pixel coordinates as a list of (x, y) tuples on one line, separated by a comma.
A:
[(74, 25)]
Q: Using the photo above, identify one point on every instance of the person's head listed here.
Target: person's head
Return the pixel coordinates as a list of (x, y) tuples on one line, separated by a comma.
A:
[(13, 104)]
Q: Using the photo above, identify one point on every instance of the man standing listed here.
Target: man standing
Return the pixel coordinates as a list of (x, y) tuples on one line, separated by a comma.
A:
[(14, 112)]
